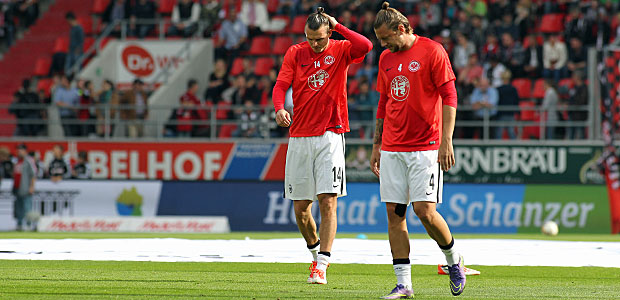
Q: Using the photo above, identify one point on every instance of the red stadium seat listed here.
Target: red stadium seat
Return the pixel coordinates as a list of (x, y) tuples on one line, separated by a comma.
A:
[(263, 65), (166, 6), (539, 41), (414, 20), (99, 6), (299, 24), (353, 87), (260, 45), (42, 66), (566, 82), (87, 24), (272, 6), (529, 114), (61, 45), (524, 87), (237, 66), (281, 44), (552, 23), (353, 68), (88, 42), (45, 85), (539, 89), (226, 130)]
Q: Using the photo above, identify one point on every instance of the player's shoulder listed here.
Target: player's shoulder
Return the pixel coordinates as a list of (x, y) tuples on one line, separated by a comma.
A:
[(428, 44), (384, 55), (298, 47)]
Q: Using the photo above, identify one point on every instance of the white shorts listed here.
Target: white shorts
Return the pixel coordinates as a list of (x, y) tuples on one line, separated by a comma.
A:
[(407, 177), (315, 165)]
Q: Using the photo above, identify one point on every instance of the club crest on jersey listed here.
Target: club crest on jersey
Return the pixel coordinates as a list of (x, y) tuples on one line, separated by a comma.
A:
[(329, 60), (400, 88), (414, 66), (317, 80)]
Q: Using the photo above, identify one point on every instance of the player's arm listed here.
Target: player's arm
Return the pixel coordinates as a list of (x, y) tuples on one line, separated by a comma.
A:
[(285, 78), (375, 157), (449, 101), (283, 118), (360, 45)]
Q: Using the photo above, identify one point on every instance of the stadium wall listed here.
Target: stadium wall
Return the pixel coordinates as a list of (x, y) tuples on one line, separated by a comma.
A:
[(494, 188), (259, 206)]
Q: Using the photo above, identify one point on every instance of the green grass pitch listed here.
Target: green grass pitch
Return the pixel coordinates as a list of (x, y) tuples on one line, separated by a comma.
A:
[(155, 280)]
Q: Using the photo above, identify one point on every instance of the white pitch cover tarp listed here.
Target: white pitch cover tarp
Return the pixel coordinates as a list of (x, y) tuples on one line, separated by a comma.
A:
[(483, 252), (135, 224)]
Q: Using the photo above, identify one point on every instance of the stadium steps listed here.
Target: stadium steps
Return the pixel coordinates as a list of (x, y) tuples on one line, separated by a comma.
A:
[(19, 61)]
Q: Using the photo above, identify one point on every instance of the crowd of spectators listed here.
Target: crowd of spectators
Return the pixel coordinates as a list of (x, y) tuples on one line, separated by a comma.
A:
[(16, 15), (59, 166), (490, 43)]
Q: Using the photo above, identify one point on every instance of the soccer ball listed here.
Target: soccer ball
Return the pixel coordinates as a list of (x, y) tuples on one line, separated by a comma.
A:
[(550, 228)]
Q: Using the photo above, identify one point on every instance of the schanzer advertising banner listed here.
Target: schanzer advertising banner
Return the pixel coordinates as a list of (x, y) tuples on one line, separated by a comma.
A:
[(468, 208)]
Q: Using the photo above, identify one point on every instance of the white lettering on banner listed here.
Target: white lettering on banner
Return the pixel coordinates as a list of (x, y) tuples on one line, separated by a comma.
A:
[(492, 208), (372, 206), (212, 165), (136, 62), (135, 224), (531, 208), (515, 214), (134, 166), (179, 166), (457, 210), (499, 160), (277, 204), (512, 215), (99, 163), (125, 164), (118, 164), (356, 212), (471, 212), (164, 166), (162, 61)]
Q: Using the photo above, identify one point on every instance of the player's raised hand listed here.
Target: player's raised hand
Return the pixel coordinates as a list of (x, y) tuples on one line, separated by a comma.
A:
[(283, 118), (332, 21), (446, 155), (375, 159)]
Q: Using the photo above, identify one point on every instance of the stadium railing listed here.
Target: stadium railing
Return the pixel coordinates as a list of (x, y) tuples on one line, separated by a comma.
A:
[(222, 119)]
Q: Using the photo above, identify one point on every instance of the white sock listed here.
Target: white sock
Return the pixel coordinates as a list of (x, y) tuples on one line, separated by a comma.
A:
[(403, 274), (452, 257), (314, 251), (322, 262)]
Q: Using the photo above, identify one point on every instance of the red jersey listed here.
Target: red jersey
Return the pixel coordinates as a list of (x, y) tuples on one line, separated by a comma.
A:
[(319, 83), (410, 79)]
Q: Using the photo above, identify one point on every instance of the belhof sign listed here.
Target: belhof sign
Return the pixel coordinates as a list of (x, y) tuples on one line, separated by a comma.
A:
[(143, 160), (145, 59)]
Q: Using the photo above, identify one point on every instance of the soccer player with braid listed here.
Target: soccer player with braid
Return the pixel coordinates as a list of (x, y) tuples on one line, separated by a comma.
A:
[(317, 70), (413, 141)]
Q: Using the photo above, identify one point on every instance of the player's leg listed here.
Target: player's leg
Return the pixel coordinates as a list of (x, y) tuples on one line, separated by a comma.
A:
[(300, 188), (330, 183), (426, 191), (306, 223), (393, 190)]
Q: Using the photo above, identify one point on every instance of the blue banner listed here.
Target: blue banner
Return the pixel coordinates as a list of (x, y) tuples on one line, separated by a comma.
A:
[(248, 161), (259, 206)]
